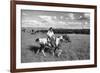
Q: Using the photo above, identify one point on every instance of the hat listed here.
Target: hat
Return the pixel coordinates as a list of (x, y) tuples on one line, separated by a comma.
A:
[(50, 28)]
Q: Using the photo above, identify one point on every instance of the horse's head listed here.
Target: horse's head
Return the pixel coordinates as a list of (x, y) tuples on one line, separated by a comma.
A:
[(61, 38), (37, 40)]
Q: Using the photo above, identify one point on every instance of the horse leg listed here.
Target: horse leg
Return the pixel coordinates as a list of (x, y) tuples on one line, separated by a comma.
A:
[(53, 51), (60, 51), (43, 52), (38, 51)]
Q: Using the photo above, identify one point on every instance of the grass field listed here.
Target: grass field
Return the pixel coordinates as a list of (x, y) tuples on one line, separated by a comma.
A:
[(79, 49)]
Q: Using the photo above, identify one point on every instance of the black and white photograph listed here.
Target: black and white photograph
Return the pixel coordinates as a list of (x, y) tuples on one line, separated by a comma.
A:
[(54, 36)]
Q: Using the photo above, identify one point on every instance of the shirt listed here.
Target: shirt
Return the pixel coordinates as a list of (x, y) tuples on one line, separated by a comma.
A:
[(50, 33)]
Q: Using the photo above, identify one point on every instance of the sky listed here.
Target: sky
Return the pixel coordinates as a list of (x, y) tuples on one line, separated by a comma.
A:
[(46, 19)]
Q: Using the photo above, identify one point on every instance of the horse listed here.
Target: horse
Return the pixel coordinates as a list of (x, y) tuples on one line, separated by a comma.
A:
[(50, 43), (56, 44), (43, 43), (59, 39)]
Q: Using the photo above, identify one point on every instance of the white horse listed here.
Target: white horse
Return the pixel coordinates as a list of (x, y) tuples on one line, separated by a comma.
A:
[(58, 39), (43, 42), (58, 42)]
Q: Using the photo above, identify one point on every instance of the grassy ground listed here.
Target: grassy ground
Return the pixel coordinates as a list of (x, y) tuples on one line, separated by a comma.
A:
[(79, 48)]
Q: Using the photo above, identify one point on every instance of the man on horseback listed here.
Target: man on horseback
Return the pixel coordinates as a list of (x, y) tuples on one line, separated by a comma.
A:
[(51, 37)]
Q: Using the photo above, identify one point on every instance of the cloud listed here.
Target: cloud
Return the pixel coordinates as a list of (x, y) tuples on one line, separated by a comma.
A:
[(48, 18), (47, 21)]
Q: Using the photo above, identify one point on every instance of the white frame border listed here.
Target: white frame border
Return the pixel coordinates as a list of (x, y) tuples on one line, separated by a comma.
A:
[(20, 65)]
